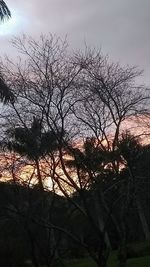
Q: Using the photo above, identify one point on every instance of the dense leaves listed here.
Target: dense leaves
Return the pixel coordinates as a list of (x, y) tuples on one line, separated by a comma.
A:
[(33, 142)]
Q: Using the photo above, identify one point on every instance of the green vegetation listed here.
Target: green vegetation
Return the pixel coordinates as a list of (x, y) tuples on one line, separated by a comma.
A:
[(142, 250), (135, 262), (81, 262), (139, 262)]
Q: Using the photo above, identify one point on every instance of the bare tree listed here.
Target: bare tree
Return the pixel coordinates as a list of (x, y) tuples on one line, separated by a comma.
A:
[(75, 97)]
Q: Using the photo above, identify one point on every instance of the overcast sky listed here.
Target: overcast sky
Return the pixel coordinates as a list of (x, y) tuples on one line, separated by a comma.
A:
[(120, 27)]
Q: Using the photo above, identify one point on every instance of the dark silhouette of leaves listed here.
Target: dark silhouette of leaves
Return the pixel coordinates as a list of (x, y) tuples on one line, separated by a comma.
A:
[(32, 142), (4, 11), (5, 93)]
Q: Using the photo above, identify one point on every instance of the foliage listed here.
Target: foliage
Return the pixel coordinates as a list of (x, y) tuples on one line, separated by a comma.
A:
[(138, 262), (6, 94), (4, 11), (32, 142)]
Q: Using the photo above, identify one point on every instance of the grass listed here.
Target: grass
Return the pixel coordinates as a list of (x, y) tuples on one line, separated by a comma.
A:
[(81, 263), (139, 262), (135, 262), (143, 259)]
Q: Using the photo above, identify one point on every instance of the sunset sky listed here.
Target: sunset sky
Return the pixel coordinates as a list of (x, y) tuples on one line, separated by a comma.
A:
[(119, 27)]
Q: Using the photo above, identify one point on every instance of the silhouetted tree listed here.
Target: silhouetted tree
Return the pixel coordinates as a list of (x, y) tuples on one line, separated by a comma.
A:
[(83, 95), (133, 154), (89, 163), (34, 143)]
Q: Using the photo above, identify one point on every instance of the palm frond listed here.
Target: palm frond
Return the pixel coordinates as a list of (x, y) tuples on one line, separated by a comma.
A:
[(4, 11), (5, 93), (32, 142)]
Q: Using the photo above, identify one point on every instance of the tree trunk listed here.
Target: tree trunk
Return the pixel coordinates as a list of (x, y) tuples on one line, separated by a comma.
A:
[(103, 255), (101, 226), (122, 256), (122, 253), (33, 256), (53, 253), (34, 259), (39, 175), (101, 220), (143, 220)]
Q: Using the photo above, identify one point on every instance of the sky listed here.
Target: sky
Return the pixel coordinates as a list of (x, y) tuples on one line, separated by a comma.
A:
[(119, 27)]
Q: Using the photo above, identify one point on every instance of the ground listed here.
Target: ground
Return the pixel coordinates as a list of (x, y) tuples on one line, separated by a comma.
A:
[(143, 259), (135, 262)]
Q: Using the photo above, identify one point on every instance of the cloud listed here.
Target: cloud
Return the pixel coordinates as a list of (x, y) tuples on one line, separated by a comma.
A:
[(121, 28)]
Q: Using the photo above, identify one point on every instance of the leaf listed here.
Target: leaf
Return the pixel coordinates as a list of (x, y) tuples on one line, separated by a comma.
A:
[(4, 11)]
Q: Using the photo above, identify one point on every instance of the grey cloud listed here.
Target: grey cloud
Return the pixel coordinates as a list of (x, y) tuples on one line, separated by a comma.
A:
[(120, 27)]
